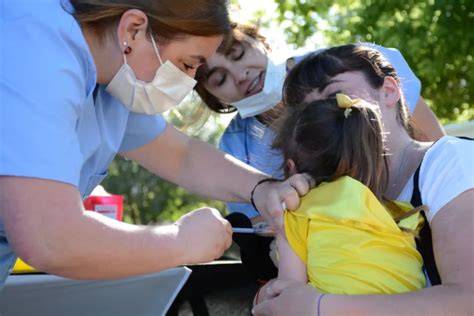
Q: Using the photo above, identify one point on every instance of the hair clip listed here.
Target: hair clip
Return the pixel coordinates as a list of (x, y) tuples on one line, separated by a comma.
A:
[(345, 102)]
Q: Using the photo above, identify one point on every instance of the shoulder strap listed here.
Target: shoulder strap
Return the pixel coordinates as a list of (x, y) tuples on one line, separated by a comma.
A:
[(416, 195), (425, 243)]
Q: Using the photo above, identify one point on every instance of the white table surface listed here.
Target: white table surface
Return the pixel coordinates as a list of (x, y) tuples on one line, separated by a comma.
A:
[(42, 294)]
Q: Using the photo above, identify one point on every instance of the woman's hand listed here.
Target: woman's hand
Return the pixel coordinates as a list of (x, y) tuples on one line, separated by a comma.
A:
[(273, 197), (286, 297), (203, 235)]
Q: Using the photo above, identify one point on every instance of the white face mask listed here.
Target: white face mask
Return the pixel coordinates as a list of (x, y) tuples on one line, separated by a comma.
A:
[(269, 96), (167, 89)]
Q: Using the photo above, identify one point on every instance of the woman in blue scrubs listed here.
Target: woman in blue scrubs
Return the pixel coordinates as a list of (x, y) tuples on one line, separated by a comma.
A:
[(83, 80)]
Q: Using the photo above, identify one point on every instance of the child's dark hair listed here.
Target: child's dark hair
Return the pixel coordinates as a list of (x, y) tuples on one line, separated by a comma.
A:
[(328, 141)]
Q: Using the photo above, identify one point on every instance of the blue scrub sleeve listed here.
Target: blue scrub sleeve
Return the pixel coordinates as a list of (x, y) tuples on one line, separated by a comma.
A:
[(233, 143), (37, 140), (141, 130), (43, 77)]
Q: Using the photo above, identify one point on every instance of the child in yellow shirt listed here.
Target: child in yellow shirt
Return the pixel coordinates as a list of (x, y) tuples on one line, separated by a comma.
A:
[(344, 238)]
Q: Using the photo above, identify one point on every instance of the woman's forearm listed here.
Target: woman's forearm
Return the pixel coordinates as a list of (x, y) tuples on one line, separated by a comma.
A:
[(229, 179), (426, 126), (92, 246), (47, 226), (438, 300), (287, 297), (197, 166)]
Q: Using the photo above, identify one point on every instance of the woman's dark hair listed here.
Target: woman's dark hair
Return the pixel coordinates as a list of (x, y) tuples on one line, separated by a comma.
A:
[(233, 39), (328, 142), (168, 19), (316, 71)]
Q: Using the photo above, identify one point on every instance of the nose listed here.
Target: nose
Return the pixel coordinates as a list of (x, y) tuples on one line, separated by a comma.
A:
[(242, 75)]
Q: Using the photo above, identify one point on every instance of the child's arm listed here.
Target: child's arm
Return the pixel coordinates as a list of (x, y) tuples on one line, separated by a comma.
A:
[(290, 265)]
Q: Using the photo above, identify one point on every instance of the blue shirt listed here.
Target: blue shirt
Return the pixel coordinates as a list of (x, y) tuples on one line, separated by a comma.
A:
[(250, 141), (56, 123)]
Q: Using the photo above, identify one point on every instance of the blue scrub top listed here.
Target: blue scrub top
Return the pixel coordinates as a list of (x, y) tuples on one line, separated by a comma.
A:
[(56, 123), (250, 141)]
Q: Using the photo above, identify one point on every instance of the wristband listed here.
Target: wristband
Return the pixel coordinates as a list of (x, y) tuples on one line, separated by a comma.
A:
[(319, 304), (255, 187)]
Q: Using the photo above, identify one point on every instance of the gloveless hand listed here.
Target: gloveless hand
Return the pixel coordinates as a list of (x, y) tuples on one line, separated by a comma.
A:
[(286, 297), (203, 235), (273, 197)]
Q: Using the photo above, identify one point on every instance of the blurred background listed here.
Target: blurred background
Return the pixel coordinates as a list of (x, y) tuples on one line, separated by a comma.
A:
[(435, 36)]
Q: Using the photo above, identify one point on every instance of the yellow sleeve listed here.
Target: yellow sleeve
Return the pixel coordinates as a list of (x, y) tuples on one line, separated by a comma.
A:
[(296, 230)]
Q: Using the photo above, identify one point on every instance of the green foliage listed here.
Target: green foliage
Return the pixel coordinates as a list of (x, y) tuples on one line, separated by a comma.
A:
[(435, 36), (149, 199)]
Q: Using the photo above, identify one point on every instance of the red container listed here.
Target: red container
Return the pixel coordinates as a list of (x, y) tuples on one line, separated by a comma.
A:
[(110, 206)]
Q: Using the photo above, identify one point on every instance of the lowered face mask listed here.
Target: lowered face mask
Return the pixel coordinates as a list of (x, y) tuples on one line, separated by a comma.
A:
[(167, 89), (269, 96)]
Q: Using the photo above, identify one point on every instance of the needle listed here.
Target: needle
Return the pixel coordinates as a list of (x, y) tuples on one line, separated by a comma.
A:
[(244, 230), (266, 231)]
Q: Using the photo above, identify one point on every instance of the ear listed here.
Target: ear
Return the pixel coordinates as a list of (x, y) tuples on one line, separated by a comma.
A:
[(391, 91), (133, 25), (291, 167)]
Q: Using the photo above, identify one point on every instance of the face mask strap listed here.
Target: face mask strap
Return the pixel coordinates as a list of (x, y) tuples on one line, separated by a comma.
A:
[(156, 49)]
